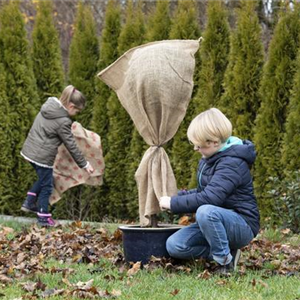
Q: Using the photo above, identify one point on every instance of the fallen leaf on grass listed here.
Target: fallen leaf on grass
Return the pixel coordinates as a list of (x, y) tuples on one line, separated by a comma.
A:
[(264, 284), (6, 230), (116, 293), (204, 275), (134, 269), (285, 231), (52, 292), (5, 279), (175, 292), (222, 282)]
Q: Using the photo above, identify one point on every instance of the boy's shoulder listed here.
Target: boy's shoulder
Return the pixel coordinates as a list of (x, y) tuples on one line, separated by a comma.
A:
[(233, 161)]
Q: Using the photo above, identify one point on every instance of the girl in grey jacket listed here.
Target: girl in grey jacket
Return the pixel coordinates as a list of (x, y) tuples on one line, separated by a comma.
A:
[(51, 128)]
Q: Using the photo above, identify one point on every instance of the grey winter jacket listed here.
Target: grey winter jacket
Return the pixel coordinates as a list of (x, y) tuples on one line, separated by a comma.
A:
[(51, 128)]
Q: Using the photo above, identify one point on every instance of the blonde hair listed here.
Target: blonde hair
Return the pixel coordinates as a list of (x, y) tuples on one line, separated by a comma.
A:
[(210, 125), (71, 94)]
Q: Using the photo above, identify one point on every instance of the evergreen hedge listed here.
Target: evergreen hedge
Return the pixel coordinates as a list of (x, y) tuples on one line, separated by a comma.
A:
[(291, 141), (275, 92), (275, 130), (159, 24), (184, 26), (108, 54), (120, 125), (6, 159), (213, 51), (100, 122), (46, 54), (84, 55), (241, 99), (22, 97)]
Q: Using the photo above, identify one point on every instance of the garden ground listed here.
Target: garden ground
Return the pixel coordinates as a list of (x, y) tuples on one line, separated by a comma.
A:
[(83, 260)]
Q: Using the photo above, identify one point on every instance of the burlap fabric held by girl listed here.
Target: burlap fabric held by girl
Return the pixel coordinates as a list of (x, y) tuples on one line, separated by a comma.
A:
[(154, 83), (67, 174)]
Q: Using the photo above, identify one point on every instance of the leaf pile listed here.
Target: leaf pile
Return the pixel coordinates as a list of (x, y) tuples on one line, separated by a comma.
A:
[(26, 252), (23, 255)]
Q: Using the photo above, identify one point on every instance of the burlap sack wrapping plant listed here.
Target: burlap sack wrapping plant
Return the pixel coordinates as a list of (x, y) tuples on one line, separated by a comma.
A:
[(67, 174), (154, 83)]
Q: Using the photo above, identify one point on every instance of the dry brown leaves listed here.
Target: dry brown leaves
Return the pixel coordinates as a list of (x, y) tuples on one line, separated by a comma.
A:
[(24, 256)]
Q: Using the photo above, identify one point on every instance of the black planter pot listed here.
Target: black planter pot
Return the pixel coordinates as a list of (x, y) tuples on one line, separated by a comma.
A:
[(140, 243)]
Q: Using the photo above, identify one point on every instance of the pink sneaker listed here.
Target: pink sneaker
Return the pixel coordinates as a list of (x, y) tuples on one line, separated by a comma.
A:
[(45, 220)]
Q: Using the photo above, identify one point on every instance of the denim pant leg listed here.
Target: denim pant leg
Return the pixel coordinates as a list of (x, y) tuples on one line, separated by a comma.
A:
[(34, 191), (188, 243), (224, 229), (45, 186)]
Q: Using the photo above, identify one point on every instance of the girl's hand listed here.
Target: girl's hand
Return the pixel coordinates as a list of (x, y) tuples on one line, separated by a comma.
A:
[(90, 169), (165, 202)]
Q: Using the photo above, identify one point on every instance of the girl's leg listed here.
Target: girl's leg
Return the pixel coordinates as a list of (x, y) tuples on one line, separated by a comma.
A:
[(46, 186), (30, 203), (188, 243), (224, 229)]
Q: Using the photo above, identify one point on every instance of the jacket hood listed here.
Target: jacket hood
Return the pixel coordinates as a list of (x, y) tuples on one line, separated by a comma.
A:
[(53, 109), (245, 151)]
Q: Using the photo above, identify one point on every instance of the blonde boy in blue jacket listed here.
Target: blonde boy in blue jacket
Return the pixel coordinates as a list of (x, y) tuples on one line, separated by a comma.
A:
[(227, 216)]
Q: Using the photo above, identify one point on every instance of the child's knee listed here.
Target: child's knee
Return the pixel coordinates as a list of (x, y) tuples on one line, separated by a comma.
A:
[(175, 247), (204, 211)]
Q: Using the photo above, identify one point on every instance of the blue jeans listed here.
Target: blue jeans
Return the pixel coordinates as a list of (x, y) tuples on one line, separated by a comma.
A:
[(216, 231), (43, 187)]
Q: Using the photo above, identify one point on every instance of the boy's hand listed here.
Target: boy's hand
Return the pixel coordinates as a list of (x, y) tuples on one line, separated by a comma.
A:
[(165, 202)]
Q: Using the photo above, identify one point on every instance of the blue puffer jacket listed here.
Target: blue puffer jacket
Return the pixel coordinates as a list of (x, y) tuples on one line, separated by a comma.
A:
[(224, 180)]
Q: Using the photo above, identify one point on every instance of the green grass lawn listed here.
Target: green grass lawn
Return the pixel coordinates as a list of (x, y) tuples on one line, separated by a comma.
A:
[(155, 281)]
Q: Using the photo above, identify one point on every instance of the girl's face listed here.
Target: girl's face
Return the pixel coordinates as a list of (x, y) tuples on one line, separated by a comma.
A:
[(73, 109), (209, 149)]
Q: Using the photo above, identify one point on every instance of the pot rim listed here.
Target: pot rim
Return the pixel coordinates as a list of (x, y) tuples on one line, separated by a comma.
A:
[(163, 227)]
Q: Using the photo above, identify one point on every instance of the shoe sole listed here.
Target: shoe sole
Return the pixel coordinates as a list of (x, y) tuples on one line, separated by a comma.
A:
[(28, 210), (45, 225), (236, 259)]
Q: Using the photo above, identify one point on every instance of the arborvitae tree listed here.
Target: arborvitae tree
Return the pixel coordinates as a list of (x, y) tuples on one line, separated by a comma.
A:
[(291, 142), (47, 60), (133, 31), (84, 55), (184, 26), (100, 122), (275, 90), (22, 97), (108, 54), (120, 124), (6, 160), (159, 22), (241, 100), (214, 52)]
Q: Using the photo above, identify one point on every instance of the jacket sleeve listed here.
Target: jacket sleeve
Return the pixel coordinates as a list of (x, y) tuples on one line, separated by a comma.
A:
[(66, 136), (225, 180), (185, 192)]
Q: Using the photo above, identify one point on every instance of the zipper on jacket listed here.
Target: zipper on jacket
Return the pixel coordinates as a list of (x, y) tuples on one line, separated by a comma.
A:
[(200, 175)]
